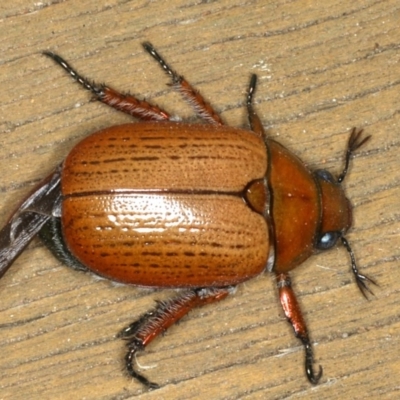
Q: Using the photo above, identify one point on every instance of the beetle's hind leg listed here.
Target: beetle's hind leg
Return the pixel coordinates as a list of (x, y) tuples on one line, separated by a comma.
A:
[(126, 103), (202, 108), (28, 219), (51, 235), (150, 325), (254, 120)]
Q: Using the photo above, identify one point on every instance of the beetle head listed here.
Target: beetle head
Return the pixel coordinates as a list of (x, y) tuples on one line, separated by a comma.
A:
[(336, 211)]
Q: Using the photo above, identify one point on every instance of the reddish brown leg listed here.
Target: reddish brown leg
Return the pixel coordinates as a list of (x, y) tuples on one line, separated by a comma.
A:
[(254, 120), (122, 102), (150, 325), (191, 95), (293, 314)]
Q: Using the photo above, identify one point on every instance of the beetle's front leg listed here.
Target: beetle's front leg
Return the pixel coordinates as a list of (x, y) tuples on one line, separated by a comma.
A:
[(293, 314), (150, 325)]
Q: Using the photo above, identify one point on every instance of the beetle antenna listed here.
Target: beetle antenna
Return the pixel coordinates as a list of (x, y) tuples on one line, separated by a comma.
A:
[(353, 144), (361, 280)]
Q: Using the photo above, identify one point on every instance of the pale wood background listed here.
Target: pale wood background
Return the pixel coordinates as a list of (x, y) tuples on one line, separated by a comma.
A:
[(323, 69)]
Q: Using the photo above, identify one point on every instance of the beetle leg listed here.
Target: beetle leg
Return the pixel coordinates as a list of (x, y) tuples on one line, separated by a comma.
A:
[(51, 235), (293, 314), (126, 103), (150, 325), (28, 219), (254, 120), (190, 95)]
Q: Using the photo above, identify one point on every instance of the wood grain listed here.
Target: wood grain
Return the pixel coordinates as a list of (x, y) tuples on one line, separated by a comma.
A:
[(322, 70)]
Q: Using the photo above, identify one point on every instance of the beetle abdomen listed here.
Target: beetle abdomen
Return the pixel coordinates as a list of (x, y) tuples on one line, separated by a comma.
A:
[(165, 205)]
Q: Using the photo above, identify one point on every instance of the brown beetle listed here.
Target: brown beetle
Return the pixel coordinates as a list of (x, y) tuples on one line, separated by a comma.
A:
[(169, 204)]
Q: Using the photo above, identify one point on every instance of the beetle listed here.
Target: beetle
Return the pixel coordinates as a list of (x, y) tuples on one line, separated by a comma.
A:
[(200, 207)]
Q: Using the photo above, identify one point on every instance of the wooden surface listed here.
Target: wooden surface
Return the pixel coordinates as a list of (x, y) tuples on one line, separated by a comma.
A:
[(322, 70)]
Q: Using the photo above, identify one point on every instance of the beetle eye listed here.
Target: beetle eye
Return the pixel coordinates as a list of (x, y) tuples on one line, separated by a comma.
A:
[(328, 240), (325, 175)]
